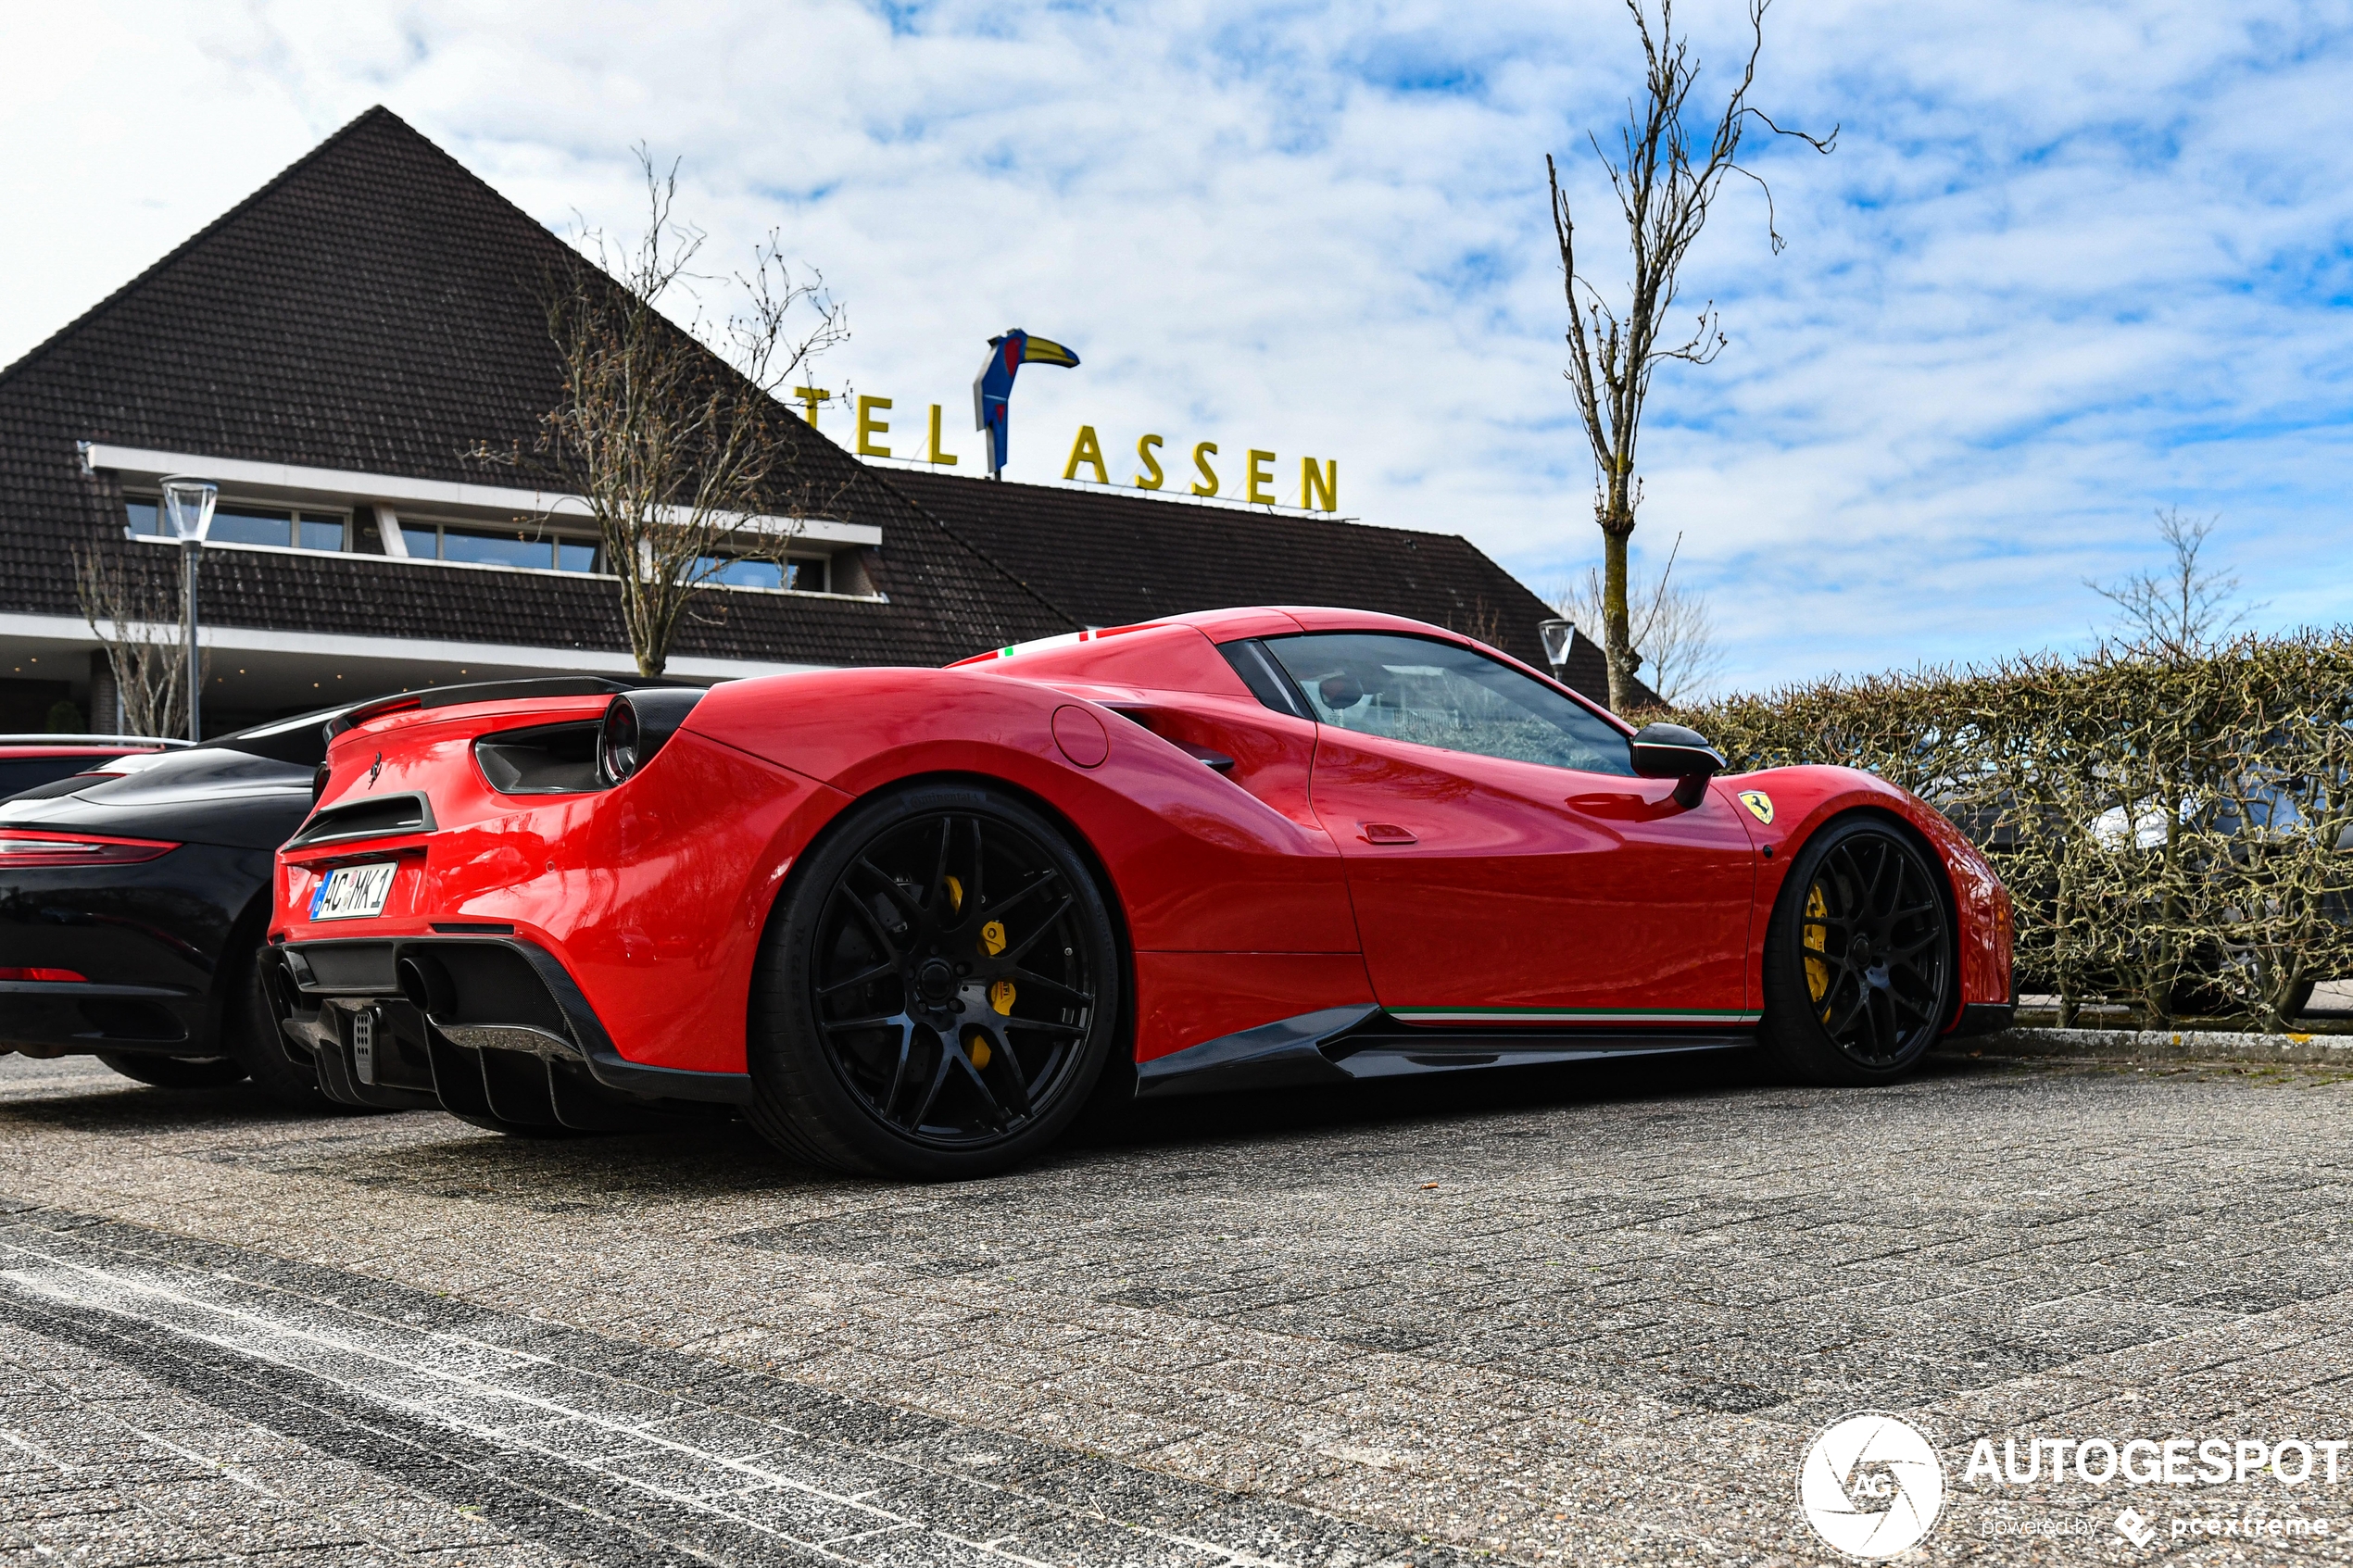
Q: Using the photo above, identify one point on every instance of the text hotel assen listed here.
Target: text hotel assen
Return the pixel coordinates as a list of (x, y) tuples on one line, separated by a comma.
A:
[(1318, 482)]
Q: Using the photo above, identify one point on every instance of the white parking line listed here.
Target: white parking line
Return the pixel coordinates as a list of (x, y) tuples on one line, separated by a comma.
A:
[(474, 1388)]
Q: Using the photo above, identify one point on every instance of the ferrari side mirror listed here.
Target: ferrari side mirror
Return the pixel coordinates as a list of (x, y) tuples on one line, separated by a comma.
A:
[(1671, 751)]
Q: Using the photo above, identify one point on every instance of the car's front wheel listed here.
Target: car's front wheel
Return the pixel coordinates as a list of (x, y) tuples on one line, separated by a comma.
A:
[(1859, 958), (937, 991)]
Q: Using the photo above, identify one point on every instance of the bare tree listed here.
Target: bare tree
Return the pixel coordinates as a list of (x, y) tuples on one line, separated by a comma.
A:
[(1665, 184), (2178, 613), (138, 617), (672, 433), (1668, 625)]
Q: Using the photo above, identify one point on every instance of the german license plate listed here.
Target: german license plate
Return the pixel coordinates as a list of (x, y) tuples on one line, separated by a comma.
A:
[(354, 892)]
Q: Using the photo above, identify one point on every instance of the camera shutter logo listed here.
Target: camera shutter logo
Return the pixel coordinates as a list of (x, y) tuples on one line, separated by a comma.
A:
[(1871, 1484)]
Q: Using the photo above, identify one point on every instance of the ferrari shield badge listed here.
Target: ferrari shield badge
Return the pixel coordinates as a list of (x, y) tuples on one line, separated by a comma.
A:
[(1759, 804)]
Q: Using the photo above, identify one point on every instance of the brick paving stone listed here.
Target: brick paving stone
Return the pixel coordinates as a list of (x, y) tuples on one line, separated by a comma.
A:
[(1606, 1334)]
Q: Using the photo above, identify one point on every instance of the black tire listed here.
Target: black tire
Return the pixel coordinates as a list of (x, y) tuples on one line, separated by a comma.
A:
[(250, 1034), (902, 1021), (175, 1072), (1860, 960)]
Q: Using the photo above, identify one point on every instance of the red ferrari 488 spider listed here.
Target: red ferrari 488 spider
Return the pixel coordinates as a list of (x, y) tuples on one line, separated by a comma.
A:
[(907, 919)]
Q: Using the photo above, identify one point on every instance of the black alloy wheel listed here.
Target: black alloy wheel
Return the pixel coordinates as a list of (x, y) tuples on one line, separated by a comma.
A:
[(939, 988), (1859, 961)]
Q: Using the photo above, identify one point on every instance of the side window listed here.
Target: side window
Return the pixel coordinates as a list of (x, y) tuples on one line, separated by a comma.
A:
[(1437, 694)]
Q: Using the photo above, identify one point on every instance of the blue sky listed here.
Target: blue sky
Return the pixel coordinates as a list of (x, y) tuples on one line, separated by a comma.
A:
[(2069, 263)]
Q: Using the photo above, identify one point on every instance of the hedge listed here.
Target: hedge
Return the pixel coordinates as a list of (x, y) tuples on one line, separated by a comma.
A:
[(2169, 828)]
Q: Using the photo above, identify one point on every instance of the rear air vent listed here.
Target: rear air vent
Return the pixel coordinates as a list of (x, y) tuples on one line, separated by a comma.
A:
[(381, 818), (546, 759)]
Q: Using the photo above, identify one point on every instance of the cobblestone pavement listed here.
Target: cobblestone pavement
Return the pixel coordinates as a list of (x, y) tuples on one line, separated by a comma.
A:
[(1573, 1316)]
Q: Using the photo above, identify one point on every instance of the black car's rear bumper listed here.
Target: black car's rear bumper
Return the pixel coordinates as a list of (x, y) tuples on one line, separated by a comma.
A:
[(487, 1027), (151, 941)]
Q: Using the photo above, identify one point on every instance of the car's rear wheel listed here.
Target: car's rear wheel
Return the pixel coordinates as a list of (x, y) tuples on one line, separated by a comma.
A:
[(1858, 959), (251, 1034), (938, 990), (175, 1072)]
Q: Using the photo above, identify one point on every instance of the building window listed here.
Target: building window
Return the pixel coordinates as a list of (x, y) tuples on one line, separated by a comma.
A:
[(802, 574), (530, 547), (235, 522)]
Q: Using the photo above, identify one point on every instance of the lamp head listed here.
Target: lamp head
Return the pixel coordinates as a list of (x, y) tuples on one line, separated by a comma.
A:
[(1557, 634), (187, 504)]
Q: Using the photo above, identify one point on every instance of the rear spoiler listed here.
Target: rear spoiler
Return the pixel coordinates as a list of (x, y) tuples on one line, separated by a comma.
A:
[(491, 691)]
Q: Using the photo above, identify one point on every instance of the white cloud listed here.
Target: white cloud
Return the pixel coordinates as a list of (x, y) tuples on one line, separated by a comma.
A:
[(2068, 264)]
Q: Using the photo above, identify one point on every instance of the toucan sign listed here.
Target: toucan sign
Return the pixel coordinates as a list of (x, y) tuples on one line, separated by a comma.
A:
[(992, 407)]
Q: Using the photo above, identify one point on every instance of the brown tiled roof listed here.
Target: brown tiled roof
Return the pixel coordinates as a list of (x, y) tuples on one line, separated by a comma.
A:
[(376, 307), (1103, 557)]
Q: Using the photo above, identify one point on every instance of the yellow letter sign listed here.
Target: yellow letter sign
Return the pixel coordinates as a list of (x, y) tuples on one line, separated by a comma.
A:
[(1314, 481), (1087, 450), (1201, 454), (870, 426), (1262, 474)]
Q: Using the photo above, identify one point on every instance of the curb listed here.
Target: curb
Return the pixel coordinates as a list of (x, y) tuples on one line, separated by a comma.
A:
[(2162, 1045)]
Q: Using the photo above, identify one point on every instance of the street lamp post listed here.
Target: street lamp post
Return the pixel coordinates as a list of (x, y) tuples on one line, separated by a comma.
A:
[(1557, 635), (188, 503)]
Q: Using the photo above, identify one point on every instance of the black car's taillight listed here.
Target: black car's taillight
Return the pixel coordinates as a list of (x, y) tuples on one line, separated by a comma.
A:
[(25, 847), (637, 724)]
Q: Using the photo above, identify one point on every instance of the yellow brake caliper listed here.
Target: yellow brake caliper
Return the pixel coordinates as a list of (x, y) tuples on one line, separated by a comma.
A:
[(1000, 994), (1816, 938)]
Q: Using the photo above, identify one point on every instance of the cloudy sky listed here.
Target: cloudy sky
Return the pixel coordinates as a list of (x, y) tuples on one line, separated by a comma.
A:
[(2069, 263)]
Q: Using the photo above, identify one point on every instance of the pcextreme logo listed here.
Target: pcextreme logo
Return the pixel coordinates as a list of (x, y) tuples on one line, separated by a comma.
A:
[(1871, 1486)]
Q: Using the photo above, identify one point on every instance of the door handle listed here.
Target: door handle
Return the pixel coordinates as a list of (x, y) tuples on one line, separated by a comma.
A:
[(1384, 833)]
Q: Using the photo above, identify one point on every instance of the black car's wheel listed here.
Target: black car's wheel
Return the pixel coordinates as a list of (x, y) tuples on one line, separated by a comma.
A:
[(1858, 960), (937, 991), (251, 1034), (175, 1072)]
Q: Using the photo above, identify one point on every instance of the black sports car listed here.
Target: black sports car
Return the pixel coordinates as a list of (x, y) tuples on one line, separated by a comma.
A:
[(135, 902), (132, 902)]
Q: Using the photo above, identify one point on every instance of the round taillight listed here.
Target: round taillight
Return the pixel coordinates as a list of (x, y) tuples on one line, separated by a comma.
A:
[(617, 743), (639, 724)]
